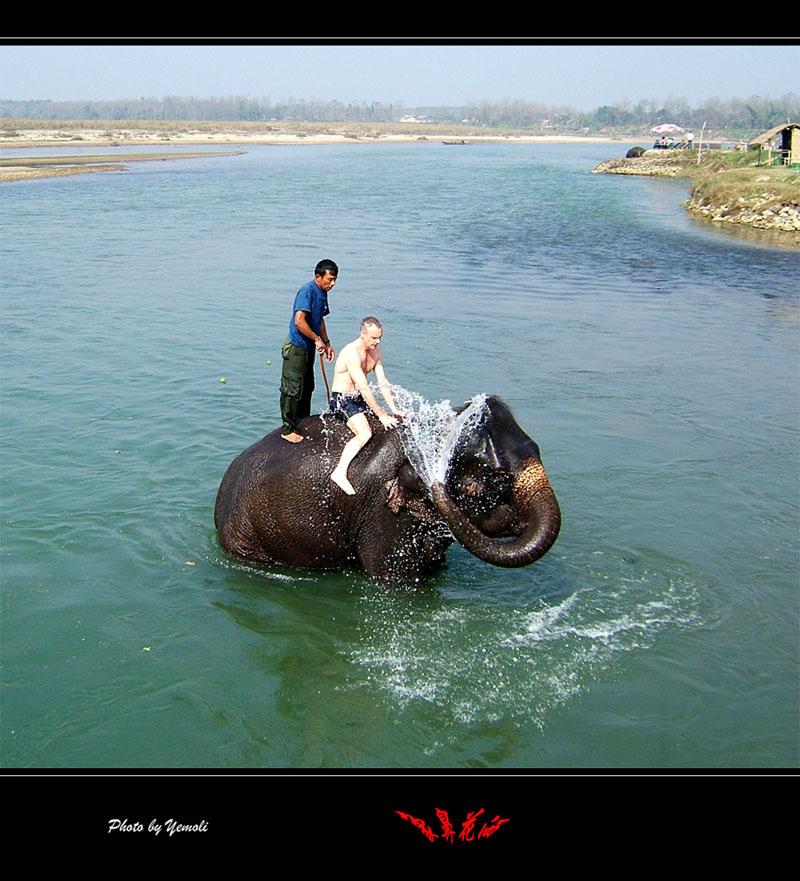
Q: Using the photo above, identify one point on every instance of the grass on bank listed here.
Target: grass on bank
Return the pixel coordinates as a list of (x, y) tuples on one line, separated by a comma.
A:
[(728, 177)]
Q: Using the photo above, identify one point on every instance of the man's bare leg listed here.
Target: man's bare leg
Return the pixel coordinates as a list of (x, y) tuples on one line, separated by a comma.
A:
[(360, 427)]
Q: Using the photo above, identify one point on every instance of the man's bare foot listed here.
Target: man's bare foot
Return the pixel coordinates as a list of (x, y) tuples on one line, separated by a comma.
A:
[(293, 437), (343, 483)]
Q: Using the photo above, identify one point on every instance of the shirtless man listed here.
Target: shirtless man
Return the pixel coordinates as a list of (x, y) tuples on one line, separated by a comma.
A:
[(351, 396)]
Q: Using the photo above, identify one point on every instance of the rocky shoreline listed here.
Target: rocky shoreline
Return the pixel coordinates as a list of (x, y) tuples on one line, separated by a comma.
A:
[(764, 210), (755, 212)]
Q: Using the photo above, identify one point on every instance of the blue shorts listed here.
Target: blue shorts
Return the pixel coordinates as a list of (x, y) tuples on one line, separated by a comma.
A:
[(344, 406)]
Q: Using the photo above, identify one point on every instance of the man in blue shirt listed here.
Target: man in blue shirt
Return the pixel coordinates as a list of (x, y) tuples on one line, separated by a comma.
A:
[(307, 336)]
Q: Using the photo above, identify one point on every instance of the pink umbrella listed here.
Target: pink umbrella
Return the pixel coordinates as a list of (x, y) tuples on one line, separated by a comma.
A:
[(667, 127)]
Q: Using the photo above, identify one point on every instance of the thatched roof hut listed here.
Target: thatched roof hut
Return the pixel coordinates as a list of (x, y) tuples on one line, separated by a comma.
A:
[(783, 140)]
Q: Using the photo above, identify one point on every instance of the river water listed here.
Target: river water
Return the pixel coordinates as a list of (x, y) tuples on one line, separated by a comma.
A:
[(653, 358)]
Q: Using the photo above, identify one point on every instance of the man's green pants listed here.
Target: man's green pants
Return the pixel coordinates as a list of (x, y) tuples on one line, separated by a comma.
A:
[(297, 385)]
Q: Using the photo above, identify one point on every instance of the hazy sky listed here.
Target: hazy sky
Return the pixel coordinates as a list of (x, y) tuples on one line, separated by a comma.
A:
[(579, 75)]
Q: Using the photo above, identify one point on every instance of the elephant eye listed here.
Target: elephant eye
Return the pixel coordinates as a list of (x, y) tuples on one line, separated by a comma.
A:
[(472, 487)]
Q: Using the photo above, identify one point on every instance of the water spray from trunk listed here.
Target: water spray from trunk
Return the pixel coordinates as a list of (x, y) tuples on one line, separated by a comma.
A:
[(431, 431)]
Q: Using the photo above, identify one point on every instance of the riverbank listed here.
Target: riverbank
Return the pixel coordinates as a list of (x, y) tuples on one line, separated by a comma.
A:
[(105, 134), (112, 133), (727, 187)]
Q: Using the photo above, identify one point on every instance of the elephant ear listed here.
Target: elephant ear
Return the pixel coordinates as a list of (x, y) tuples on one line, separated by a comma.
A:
[(406, 492)]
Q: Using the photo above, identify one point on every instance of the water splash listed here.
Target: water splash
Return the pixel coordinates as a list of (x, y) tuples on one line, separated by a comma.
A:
[(432, 430), (478, 662)]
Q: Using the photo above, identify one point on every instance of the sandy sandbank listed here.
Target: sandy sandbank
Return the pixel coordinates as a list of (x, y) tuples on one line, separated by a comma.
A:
[(27, 172), (15, 133), (28, 167)]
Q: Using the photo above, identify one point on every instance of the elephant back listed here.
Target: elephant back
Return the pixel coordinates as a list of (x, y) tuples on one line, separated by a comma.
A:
[(276, 502)]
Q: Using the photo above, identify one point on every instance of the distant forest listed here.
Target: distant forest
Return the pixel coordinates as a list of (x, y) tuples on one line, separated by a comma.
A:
[(753, 114)]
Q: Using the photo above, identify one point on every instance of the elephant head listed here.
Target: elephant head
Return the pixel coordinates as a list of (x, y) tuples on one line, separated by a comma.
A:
[(496, 499)]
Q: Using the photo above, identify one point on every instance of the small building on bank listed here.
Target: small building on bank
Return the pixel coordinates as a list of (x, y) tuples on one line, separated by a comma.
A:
[(779, 146)]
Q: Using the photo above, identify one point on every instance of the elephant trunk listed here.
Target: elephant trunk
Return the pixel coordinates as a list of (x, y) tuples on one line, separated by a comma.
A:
[(533, 500)]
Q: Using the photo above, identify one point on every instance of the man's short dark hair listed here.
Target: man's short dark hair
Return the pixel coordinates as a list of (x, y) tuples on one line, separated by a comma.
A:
[(370, 321), (326, 266)]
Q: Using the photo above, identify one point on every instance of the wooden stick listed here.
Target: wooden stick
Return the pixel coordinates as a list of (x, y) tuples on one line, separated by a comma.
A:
[(324, 376)]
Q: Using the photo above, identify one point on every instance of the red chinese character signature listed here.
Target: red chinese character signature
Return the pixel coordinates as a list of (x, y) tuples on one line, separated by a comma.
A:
[(420, 824), (448, 832)]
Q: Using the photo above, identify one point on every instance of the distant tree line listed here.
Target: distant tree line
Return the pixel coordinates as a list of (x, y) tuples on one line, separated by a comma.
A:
[(755, 113), (237, 108), (747, 114)]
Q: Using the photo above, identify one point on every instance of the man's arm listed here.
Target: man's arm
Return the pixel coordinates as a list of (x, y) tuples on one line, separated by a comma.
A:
[(386, 387), (321, 341), (326, 342)]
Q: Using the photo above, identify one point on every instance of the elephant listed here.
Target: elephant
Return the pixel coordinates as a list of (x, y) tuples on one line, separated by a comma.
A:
[(277, 505), (634, 153)]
